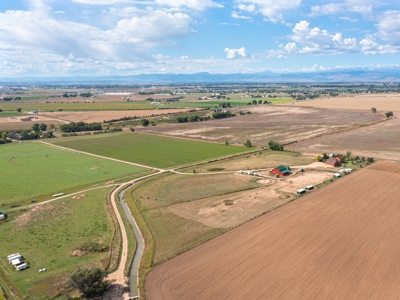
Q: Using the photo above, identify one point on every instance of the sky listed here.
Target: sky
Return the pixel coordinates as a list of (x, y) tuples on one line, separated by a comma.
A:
[(56, 38)]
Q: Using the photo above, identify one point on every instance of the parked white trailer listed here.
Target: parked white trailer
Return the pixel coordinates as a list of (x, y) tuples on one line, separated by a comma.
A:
[(22, 266), (14, 256)]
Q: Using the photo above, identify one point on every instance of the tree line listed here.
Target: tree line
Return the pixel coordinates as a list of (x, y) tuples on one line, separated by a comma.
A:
[(80, 126)]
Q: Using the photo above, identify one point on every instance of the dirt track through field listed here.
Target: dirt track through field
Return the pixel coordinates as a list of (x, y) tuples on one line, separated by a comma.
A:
[(339, 242)]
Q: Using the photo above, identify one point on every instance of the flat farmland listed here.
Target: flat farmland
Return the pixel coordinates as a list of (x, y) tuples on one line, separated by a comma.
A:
[(36, 171), (280, 123), (378, 140), (150, 150), (339, 242), (382, 102), (100, 116)]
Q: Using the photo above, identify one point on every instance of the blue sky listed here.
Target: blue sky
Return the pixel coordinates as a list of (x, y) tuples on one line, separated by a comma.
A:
[(45, 38)]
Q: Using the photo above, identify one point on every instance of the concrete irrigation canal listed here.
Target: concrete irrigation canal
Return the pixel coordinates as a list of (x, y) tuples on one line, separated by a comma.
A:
[(134, 269)]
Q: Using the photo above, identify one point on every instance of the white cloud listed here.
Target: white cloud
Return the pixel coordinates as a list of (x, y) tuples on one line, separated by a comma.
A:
[(236, 53), (271, 9), (316, 40), (235, 15), (60, 12), (101, 2), (370, 46), (130, 37), (196, 4), (389, 27), (363, 7)]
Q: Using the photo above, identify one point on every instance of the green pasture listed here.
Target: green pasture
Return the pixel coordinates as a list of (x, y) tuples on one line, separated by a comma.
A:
[(46, 235), (150, 150), (36, 171)]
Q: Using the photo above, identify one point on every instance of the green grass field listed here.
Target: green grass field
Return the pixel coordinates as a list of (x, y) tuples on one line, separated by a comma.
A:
[(151, 150), (7, 114), (35, 171), (173, 234), (47, 234)]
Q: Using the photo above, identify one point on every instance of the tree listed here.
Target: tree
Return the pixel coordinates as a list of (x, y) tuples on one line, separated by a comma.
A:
[(275, 146), (247, 144), (4, 135), (43, 127), (145, 122), (36, 127), (389, 114), (373, 109), (87, 280), (52, 126), (254, 102), (19, 109), (318, 158), (226, 142)]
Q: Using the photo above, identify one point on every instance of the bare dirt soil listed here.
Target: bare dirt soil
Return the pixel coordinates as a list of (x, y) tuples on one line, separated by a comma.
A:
[(339, 242), (266, 122), (382, 102), (378, 140), (232, 209), (100, 116)]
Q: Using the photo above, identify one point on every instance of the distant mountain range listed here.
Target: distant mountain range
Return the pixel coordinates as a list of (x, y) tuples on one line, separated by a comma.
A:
[(334, 76)]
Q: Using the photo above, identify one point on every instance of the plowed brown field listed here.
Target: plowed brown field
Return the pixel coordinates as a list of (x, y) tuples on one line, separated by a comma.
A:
[(339, 242)]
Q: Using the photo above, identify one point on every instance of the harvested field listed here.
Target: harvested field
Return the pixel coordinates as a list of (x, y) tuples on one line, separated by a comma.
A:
[(382, 102), (379, 141), (339, 242), (266, 122), (100, 116)]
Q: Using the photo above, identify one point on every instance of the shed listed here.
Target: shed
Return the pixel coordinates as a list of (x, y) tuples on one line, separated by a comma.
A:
[(336, 175), (281, 171), (15, 262), (301, 191), (2, 217), (309, 187)]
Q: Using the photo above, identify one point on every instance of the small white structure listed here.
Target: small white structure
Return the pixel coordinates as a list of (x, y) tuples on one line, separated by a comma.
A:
[(2, 217), (240, 172), (58, 195), (309, 187), (336, 175), (11, 257), (301, 191), (15, 262), (42, 270), (21, 266)]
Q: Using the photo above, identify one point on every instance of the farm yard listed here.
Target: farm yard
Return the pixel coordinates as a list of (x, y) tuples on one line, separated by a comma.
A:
[(36, 171), (338, 242), (283, 124), (150, 150), (53, 236)]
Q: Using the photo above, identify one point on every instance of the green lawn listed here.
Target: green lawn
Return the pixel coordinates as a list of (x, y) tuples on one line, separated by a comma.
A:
[(47, 234), (32, 170), (7, 114), (151, 150)]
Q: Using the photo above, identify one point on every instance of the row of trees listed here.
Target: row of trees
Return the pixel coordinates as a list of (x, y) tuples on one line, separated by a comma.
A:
[(4, 138), (80, 126)]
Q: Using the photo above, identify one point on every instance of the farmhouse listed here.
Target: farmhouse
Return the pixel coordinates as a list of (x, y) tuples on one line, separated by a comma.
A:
[(281, 171), (335, 162)]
